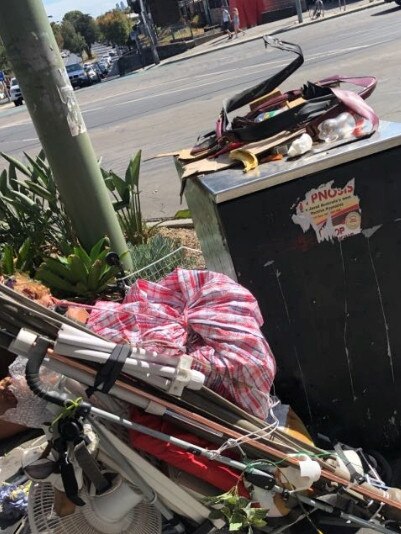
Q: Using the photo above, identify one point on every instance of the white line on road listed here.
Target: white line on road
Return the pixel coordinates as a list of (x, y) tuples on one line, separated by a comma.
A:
[(94, 109), (193, 81)]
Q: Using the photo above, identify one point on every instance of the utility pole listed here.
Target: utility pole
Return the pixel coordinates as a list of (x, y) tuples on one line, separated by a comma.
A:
[(206, 9), (39, 68), (139, 6), (149, 32), (299, 11)]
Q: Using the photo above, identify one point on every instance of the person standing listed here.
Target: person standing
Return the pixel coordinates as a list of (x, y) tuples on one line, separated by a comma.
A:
[(236, 22), (226, 22)]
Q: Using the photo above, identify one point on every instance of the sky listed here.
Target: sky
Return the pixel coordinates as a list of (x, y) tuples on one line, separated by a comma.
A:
[(57, 8)]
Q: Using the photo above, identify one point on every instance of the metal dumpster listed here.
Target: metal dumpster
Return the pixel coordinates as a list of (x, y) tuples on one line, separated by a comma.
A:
[(318, 242)]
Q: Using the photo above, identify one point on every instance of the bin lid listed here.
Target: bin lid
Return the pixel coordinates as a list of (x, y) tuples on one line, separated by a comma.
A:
[(234, 183)]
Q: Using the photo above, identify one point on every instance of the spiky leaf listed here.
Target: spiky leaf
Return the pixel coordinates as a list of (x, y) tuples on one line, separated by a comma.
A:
[(54, 282), (81, 253), (79, 270), (97, 248), (7, 260), (133, 169), (16, 164), (23, 255)]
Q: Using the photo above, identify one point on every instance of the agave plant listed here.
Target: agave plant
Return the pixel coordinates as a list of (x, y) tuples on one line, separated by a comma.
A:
[(79, 274)]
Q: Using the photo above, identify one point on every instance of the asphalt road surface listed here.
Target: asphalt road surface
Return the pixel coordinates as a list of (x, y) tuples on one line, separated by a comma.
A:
[(165, 108)]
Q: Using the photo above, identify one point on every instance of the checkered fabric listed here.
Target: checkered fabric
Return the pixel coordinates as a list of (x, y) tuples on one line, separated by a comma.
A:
[(206, 315)]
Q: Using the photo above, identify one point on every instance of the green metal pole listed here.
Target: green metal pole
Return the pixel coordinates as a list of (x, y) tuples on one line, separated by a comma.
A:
[(39, 68), (299, 11), (149, 32)]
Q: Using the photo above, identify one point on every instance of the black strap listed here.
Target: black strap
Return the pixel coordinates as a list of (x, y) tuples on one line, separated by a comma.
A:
[(70, 484), (354, 475), (285, 121), (110, 371), (71, 431), (265, 87), (90, 467)]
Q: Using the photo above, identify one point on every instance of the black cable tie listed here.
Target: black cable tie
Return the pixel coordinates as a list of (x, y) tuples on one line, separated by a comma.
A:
[(354, 475), (110, 371)]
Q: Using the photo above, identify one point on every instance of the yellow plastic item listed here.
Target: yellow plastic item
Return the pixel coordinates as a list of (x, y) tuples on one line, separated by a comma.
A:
[(249, 160)]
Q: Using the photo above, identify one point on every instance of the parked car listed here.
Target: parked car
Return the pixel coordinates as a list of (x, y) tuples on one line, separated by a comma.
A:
[(15, 92), (77, 75), (92, 74), (102, 70), (106, 60), (104, 67)]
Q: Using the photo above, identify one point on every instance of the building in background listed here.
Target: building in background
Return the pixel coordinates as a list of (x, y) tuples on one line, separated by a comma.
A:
[(252, 12), (164, 12)]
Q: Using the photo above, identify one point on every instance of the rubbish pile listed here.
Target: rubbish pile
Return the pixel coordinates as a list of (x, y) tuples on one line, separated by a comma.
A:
[(285, 125), (158, 416), (158, 412)]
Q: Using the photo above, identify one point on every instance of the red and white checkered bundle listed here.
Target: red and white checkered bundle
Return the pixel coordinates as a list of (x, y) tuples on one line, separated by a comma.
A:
[(206, 315)]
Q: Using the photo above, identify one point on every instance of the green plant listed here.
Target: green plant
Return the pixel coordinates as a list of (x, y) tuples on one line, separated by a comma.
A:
[(236, 511), (127, 202), (30, 206), (158, 257), (183, 214), (80, 274), (12, 261)]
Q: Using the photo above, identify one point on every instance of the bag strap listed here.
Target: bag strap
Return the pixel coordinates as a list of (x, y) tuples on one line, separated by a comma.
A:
[(315, 110), (284, 121), (267, 86), (355, 102), (368, 83), (247, 96)]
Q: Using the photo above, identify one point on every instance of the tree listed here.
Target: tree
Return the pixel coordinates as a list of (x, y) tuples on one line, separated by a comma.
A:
[(58, 34), (4, 64), (115, 27), (84, 25), (73, 41)]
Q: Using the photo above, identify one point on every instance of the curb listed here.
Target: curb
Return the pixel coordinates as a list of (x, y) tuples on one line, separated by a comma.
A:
[(273, 32), (171, 223)]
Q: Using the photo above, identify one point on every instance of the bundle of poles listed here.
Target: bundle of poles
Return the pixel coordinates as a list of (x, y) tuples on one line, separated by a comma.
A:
[(167, 386)]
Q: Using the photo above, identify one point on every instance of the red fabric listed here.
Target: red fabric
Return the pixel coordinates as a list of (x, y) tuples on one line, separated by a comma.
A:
[(250, 11), (219, 475), (206, 315)]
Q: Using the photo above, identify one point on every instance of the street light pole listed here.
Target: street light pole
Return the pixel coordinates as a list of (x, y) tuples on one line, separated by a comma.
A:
[(149, 32), (299, 11), (39, 68)]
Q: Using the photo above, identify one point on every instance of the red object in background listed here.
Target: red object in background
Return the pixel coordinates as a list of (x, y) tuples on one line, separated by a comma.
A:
[(216, 474), (250, 11)]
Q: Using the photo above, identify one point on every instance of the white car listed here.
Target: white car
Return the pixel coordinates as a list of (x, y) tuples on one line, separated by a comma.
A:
[(93, 75), (15, 92), (77, 75), (106, 60)]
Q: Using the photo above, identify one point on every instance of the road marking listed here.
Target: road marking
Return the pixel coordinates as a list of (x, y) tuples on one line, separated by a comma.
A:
[(14, 124), (94, 109), (193, 82)]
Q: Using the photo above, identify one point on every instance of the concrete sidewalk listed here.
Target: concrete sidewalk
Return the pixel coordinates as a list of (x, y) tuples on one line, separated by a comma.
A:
[(273, 28)]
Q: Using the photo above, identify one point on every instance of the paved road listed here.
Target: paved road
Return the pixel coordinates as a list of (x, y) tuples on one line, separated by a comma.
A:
[(166, 107)]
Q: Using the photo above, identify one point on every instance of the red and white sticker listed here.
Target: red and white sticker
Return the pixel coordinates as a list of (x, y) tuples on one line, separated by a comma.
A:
[(332, 212)]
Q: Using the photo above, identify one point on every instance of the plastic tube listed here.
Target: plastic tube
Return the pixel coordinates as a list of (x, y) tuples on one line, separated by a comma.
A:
[(131, 365), (150, 372), (77, 338)]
